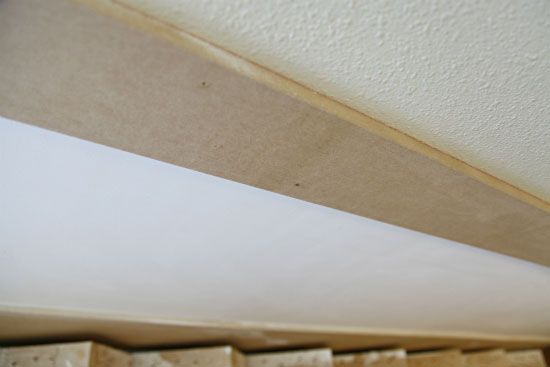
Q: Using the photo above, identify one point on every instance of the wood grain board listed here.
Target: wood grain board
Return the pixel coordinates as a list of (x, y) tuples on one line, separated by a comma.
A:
[(25, 325), (450, 358), (65, 68)]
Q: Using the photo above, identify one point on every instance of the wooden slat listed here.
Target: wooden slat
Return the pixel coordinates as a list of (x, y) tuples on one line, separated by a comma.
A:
[(105, 356), (450, 358), (25, 326), (65, 68)]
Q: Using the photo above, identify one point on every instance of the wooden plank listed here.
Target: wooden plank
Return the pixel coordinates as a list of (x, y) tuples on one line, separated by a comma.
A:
[(193, 357), (526, 358), (83, 354), (65, 68), (299, 358), (385, 358), (25, 325), (450, 358), (491, 358), (104, 356)]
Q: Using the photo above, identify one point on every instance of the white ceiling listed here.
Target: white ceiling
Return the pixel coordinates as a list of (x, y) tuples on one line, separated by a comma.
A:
[(87, 227), (469, 77)]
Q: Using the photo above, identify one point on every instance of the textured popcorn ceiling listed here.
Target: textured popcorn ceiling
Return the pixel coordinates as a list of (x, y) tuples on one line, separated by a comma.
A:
[(471, 78)]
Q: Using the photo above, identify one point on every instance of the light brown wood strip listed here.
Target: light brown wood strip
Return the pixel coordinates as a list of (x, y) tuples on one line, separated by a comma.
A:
[(105, 356), (450, 358), (23, 325), (65, 68)]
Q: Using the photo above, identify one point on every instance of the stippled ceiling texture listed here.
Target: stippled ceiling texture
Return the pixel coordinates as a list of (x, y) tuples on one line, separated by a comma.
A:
[(470, 78)]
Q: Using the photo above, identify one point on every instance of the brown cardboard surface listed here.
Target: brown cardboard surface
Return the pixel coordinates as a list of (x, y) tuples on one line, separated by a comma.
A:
[(387, 358), (68, 69)]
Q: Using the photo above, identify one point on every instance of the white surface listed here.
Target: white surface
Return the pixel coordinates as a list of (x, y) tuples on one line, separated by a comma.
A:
[(84, 226), (469, 77)]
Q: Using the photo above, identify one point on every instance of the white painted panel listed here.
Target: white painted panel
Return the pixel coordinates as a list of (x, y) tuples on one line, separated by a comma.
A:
[(469, 77), (83, 226)]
